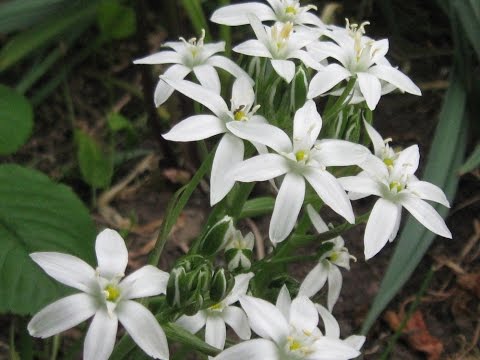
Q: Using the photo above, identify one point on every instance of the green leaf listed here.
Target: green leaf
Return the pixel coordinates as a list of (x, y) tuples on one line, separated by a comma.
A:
[(42, 34), (116, 21), (176, 333), (257, 207), (117, 122), (96, 166), (470, 20), (16, 120), (472, 162), (37, 214), (197, 17), (445, 156)]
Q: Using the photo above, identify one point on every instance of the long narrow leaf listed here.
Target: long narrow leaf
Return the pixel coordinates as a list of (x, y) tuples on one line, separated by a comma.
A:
[(470, 22), (472, 162), (195, 13)]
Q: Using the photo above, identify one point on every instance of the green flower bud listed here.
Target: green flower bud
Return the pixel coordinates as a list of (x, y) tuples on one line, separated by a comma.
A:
[(222, 284), (177, 290), (214, 240), (194, 305), (298, 89)]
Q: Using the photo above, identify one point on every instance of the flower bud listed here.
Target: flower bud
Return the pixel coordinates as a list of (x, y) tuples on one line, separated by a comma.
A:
[(214, 239), (238, 251), (176, 287), (298, 89), (222, 284)]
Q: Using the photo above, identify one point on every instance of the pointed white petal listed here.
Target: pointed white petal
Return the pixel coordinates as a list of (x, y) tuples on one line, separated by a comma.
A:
[(407, 161), (210, 99), (162, 57), (328, 348), (379, 49), (307, 59), (242, 92), (62, 315), (146, 281), (394, 233), (212, 48), (331, 152), (265, 134), (307, 124), (371, 89), (260, 168), (67, 269), (316, 220), (215, 332), (320, 50), (376, 138), (326, 79), (100, 337), (335, 281), (284, 301), (284, 68), (234, 15), (112, 254), (265, 319), (426, 215), (428, 191), (395, 77), (380, 226), (355, 341), (314, 280), (332, 329), (208, 77), (310, 19), (258, 349), (331, 192), (240, 288), (258, 28), (229, 153), (287, 206), (144, 329), (303, 315), (237, 320), (361, 185), (163, 90), (375, 167), (229, 66), (195, 128), (253, 48), (193, 323)]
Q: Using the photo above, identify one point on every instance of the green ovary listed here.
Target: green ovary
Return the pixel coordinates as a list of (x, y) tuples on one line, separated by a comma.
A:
[(395, 185), (300, 155), (112, 292)]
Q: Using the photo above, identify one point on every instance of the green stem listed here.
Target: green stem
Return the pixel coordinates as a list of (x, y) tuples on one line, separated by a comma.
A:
[(340, 103), (55, 347)]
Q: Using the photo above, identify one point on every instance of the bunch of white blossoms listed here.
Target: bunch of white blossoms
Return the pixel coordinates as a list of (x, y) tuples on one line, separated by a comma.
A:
[(310, 163)]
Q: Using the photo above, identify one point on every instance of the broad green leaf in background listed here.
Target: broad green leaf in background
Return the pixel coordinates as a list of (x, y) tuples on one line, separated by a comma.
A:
[(446, 155), (96, 165), (469, 15), (116, 21), (472, 162), (37, 214), (16, 120)]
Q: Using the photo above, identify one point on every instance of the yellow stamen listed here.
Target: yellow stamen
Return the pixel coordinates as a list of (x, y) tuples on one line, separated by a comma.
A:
[(300, 155), (334, 256), (112, 292), (290, 10), (388, 161), (395, 185), (295, 345), (217, 306)]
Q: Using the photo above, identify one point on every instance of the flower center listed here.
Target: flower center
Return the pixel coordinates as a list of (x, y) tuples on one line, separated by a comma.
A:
[(356, 32), (396, 186), (388, 161), (300, 344), (239, 114), (112, 292), (218, 307), (291, 10), (334, 256), (281, 34), (300, 155)]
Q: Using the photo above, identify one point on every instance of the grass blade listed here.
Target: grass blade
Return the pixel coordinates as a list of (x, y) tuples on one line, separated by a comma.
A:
[(470, 20), (472, 162), (197, 16)]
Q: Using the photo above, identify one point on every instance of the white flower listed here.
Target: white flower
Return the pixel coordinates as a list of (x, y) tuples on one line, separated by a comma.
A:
[(358, 56), (288, 331), (279, 43), (230, 149), (381, 149), (304, 159), (279, 11), (396, 186), (327, 267), (188, 56), (104, 296), (238, 244), (215, 317)]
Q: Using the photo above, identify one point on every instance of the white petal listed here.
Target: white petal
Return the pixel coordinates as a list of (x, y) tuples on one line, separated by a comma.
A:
[(395, 77), (326, 79), (309, 18), (162, 57), (195, 128), (67, 269), (306, 126), (258, 349), (394, 233), (320, 50), (143, 328), (234, 15), (240, 287), (407, 161), (287, 206), (229, 66), (258, 28), (101, 336), (284, 301), (208, 77), (334, 286), (163, 90), (146, 281), (308, 60), (112, 254), (253, 48), (303, 315), (332, 329), (210, 99), (265, 319), (330, 152), (260, 168), (328, 348), (215, 332), (284, 69), (212, 48), (426, 215), (375, 137), (62, 315), (371, 89), (375, 167), (265, 134), (229, 153), (380, 226), (316, 220), (331, 192), (242, 92), (355, 341), (428, 191), (379, 49), (314, 280), (193, 323), (237, 320), (361, 185)]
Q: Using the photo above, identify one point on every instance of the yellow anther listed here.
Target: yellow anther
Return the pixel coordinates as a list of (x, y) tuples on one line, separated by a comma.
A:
[(291, 10), (395, 185), (295, 345), (239, 115), (300, 155), (334, 256), (388, 161), (286, 30), (217, 306), (112, 292)]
